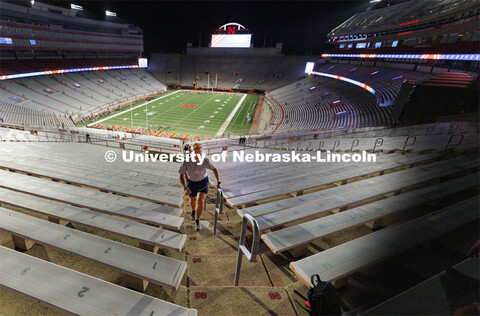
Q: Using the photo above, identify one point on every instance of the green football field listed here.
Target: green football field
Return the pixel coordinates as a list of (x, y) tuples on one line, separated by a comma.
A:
[(188, 112)]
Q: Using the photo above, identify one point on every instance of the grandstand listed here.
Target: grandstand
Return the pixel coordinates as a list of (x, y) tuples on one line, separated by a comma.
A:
[(92, 222)]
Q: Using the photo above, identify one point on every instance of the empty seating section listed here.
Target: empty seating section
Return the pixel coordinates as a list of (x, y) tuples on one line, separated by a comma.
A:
[(319, 103), (293, 236), (126, 258), (341, 261), (97, 173), (16, 66), (415, 138), (385, 81), (391, 17), (228, 72), (75, 292), (62, 203), (54, 38), (343, 106), (74, 201), (399, 185), (428, 297), (276, 179), (451, 79), (18, 115), (75, 95), (61, 211), (290, 207)]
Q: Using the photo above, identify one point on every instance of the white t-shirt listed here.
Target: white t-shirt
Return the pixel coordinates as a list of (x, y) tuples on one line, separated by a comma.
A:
[(194, 171)]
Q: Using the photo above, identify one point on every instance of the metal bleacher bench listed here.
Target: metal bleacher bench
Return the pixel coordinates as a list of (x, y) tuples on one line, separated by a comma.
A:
[(294, 236), (75, 292), (274, 215), (322, 177), (107, 180), (426, 298), (339, 262), (139, 266), (147, 212), (59, 211)]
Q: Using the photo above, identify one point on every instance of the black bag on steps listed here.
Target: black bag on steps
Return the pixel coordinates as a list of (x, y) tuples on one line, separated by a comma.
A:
[(324, 299)]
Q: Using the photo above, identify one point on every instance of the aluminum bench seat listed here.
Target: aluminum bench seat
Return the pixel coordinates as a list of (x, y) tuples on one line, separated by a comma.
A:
[(139, 263), (56, 210), (343, 260), (75, 292)]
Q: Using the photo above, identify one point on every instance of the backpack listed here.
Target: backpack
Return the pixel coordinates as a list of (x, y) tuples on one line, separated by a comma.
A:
[(323, 298)]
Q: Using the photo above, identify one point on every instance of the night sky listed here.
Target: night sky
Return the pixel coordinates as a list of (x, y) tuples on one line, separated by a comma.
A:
[(302, 26)]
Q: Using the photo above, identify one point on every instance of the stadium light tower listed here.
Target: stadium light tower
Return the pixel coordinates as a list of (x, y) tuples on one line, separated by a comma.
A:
[(373, 1), (110, 13), (76, 7)]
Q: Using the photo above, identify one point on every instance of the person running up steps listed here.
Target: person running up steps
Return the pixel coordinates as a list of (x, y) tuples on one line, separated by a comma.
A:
[(194, 180)]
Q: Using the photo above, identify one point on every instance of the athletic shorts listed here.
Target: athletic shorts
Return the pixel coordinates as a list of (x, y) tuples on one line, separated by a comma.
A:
[(197, 186)]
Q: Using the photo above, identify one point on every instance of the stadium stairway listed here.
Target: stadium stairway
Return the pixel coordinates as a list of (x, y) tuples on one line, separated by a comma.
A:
[(69, 190)]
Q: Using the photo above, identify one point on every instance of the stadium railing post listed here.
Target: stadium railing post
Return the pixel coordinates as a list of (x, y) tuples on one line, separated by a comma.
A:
[(218, 209), (242, 249), (406, 142)]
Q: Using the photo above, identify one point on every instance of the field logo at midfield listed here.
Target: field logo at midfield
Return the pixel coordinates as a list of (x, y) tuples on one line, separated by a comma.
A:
[(189, 106)]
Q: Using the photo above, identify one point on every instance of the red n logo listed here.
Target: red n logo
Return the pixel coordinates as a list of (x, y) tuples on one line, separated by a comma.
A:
[(231, 30)]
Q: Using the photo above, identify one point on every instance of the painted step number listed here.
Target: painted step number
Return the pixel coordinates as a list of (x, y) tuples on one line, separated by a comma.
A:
[(82, 292), (200, 295)]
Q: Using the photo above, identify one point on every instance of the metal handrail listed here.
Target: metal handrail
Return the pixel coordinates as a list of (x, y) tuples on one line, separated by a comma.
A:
[(355, 143), (453, 127), (321, 144), (449, 141), (406, 142), (378, 142), (242, 249), (218, 209), (335, 144), (430, 129)]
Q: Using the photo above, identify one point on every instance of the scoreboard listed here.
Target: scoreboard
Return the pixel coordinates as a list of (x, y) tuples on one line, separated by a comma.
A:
[(231, 35)]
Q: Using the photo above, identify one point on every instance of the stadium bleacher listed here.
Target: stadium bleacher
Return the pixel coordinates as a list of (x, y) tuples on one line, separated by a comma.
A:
[(103, 298), (338, 262), (314, 104), (227, 72), (433, 299), (82, 234), (75, 95)]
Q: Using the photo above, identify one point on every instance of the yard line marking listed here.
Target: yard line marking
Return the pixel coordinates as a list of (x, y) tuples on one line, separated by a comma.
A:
[(196, 109), (229, 118), (123, 112)]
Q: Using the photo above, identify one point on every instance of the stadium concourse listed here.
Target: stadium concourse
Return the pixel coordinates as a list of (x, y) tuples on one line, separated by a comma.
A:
[(359, 164)]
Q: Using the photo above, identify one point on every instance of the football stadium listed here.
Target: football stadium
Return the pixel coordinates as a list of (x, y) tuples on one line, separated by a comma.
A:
[(239, 158)]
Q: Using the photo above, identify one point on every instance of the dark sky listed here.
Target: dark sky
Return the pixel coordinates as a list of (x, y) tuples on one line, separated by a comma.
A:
[(302, 26)]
